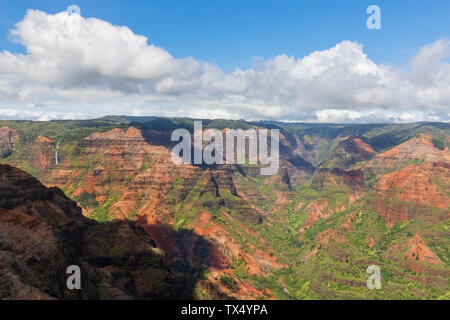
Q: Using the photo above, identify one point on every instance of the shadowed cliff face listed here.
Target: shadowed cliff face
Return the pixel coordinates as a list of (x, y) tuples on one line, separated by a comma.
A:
[(42, 232), (8, 138), (309, 231)]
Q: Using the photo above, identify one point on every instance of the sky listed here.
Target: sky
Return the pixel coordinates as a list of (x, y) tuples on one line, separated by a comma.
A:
[(302, 60)]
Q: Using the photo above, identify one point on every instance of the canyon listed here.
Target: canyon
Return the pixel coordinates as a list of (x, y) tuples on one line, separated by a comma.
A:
[(345, 197)]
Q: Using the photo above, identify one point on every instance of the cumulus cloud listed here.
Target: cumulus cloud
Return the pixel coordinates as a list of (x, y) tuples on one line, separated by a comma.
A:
[(79, 67)]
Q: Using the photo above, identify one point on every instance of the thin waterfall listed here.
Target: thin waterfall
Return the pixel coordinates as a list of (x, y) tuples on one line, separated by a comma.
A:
[(56, 153)]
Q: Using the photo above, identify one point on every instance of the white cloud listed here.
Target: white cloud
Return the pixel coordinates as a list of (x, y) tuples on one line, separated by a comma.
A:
[(78, 67), (25, 114)]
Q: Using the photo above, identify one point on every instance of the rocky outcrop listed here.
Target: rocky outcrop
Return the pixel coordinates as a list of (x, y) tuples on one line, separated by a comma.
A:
[(414, 254), (413, 192), (121, 168), (349, 151), (42, 232), (325, 178), (416, 150), (8, 138), (335, 184), (419, 147), (413, 182), (419, 251), (41, 155), (358, 146)]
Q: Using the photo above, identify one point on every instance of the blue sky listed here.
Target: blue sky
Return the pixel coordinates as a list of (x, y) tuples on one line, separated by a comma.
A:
[(296, 60), (230, 33)]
